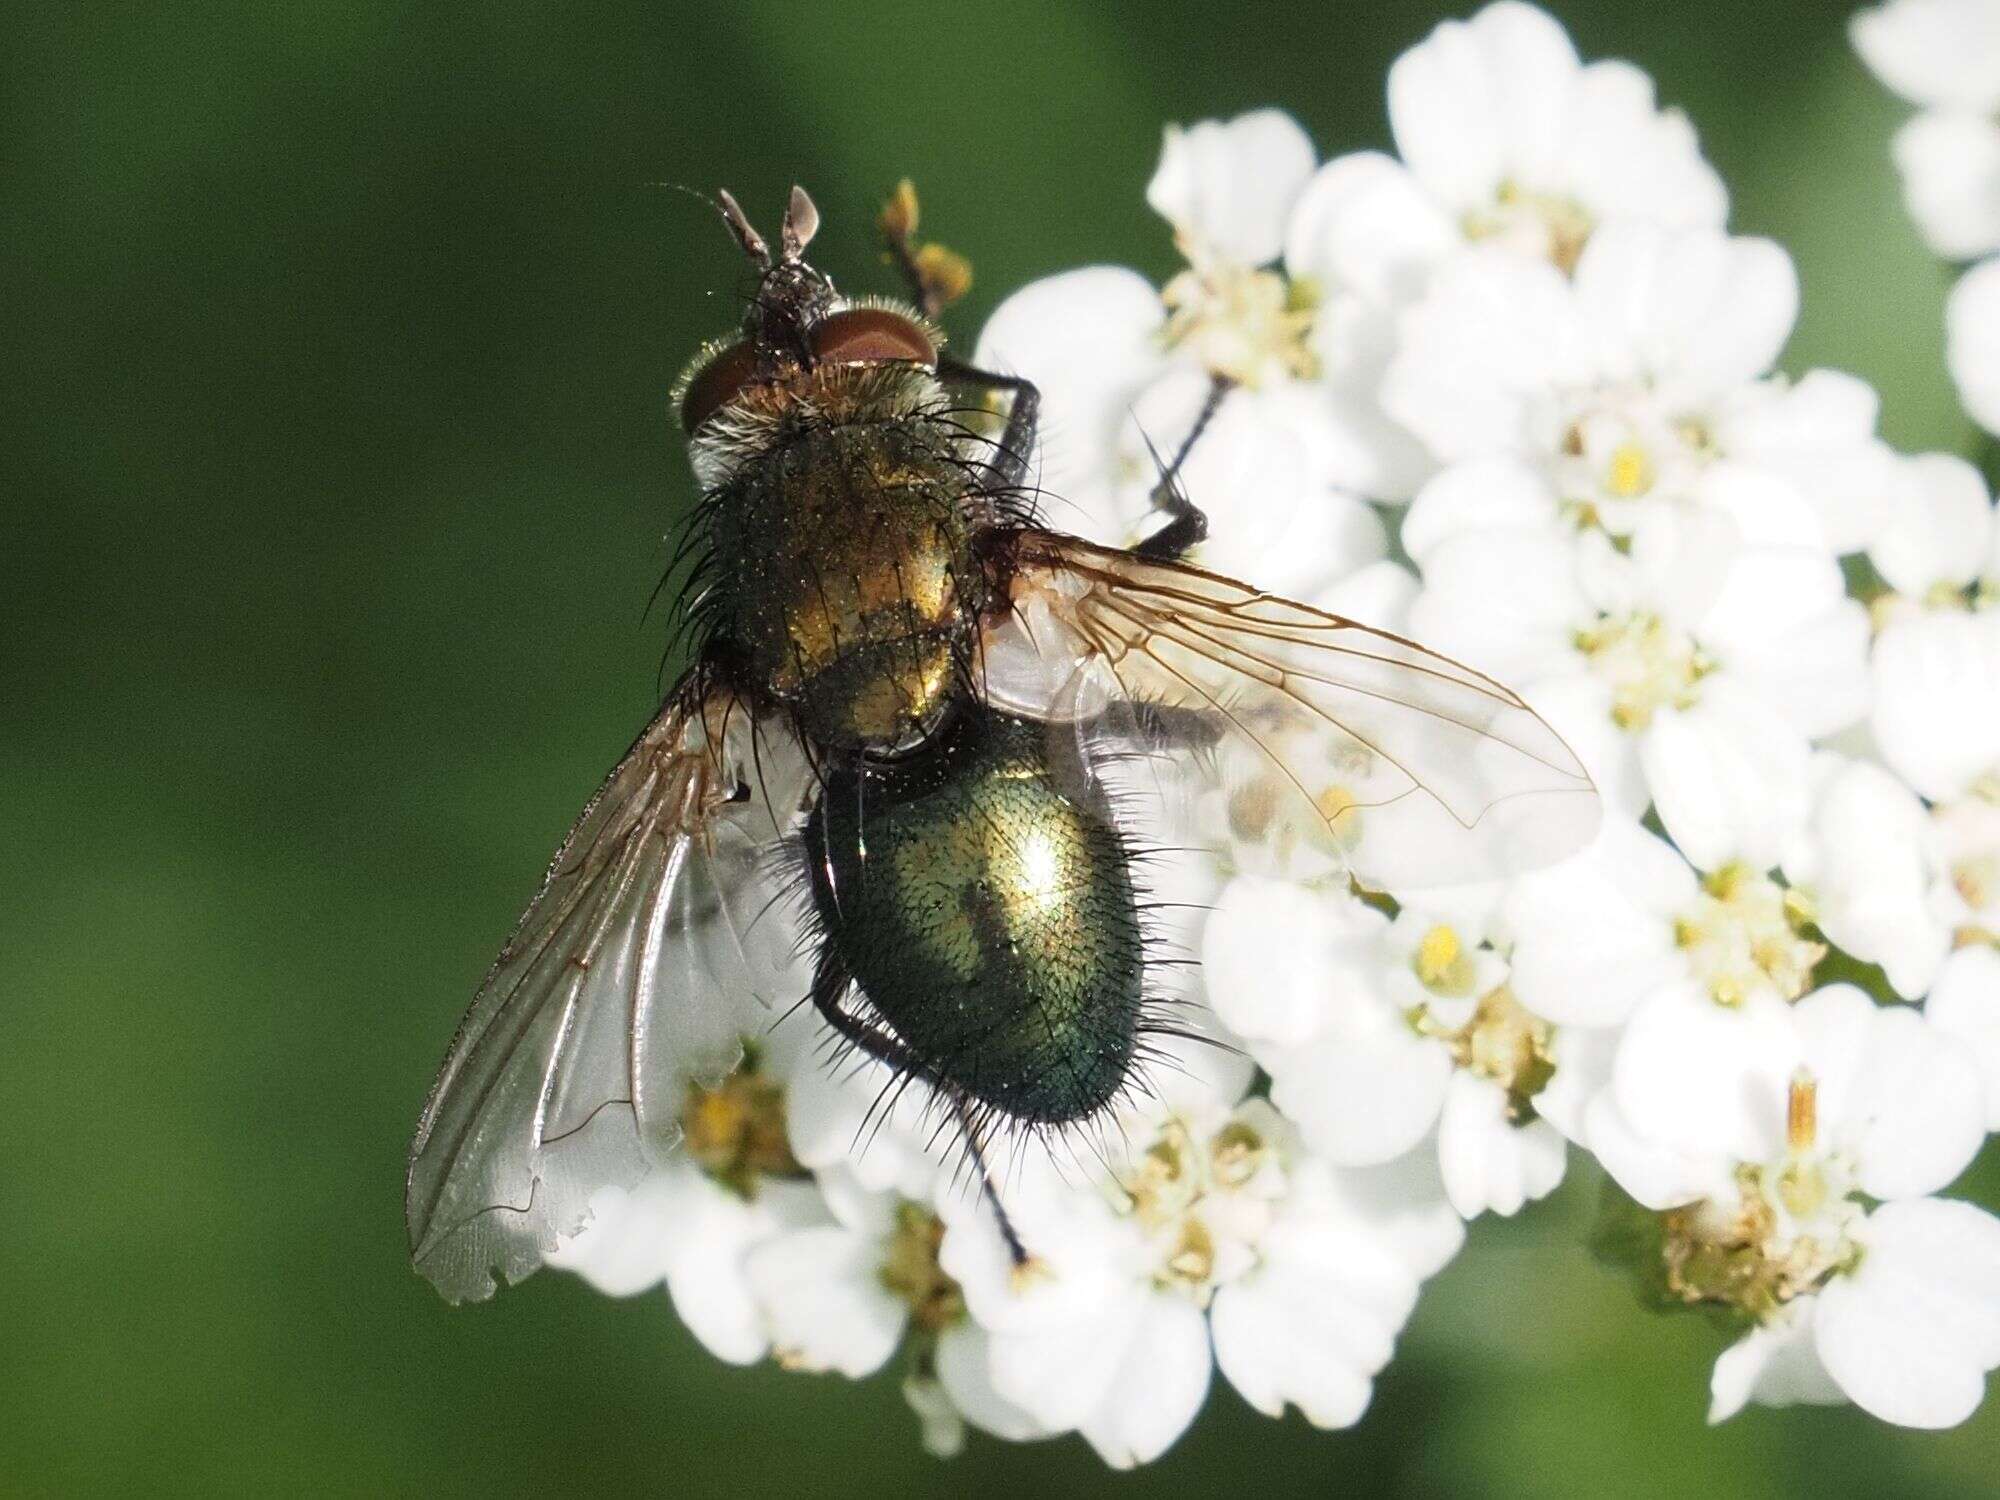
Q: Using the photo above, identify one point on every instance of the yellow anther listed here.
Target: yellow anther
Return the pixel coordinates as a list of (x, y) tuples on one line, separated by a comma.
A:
[(1439, 957), (1802, 1112), (1631, 472)]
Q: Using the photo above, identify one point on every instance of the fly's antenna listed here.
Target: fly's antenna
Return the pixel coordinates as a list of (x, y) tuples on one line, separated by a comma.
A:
[(801, 224), (739, 225)]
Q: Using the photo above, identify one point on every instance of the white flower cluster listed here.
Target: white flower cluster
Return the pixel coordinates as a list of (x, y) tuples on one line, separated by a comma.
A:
[(1510, 391), (1944, 57)]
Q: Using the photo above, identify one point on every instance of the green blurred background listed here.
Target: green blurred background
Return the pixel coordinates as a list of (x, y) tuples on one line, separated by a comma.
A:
[(336, 479)]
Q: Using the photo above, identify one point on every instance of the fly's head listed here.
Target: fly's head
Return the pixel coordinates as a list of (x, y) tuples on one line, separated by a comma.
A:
[(802, 346)]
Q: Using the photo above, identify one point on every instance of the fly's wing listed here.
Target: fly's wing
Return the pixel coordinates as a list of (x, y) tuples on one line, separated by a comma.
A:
[(634, 972), (1316, 743)]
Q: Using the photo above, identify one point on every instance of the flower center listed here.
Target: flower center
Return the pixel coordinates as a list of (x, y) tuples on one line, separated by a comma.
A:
[(911, 1273), (1545, 224), (1650, 665), (1744, 936), (735, 1132), (1618, 445), (1508, 1043), (1245, 326), (1787, 1233), (1204, 1201)]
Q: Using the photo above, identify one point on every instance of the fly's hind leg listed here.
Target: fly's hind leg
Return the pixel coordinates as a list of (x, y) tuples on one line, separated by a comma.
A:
[(830, 984)]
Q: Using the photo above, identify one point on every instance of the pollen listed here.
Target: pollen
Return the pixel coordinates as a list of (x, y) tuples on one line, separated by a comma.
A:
[(735, 1132), (1443, 964), (1630, 473), (911, 1272), (1649, 664), (1509, 1044), (1745, 936), (1545, 224), (1249, 327)]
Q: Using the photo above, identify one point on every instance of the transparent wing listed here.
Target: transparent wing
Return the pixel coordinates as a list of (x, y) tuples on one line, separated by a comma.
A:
[(1318, 742), (636, 970)]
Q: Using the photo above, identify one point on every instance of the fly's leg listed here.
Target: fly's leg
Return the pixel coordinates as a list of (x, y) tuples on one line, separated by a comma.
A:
[(829, 985), (1187, 524), (1007, 469), (936, 277)]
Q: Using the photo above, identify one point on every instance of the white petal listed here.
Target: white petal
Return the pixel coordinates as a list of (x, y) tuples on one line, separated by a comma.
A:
[(1911, 1333), (1479, 99), (1694, 1076), (1728, 777), (1364, 225), (1694, 308), (1625, 157), (1774, 1365), (1505, 601), (1488, 1162), (834, 1117), (1972, 341), (1078, 1244), (1940, 528), (1273, 1345), (1950, 165), (1495, 332), (1401, 1204), (1492, 494), (1965, 1004), (1937, 700), (1934, 51), (1658, 1176), (1366, 1089), (1577, 705), (1280, 958), (1318, 1317), (1156, 1386), (706, 1279), (1583, 1060), (823, 1298), (1898, 1096), (963, 1351), (1867, 865), (1786, 629), (1227, 186), (1819, 434), (1274, 520), (1089, 341), (1593, 936)]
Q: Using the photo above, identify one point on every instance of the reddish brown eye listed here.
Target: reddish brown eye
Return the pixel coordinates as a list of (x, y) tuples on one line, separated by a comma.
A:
[(863, 335), (717, 383)]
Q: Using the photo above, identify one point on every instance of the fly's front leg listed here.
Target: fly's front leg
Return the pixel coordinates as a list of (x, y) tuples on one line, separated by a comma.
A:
[(1187, 524), (830, 985), (936, 278), (1014, 449)]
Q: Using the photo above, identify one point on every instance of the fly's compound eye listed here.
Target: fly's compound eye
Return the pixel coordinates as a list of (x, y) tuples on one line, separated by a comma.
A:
[(716, 384), (866, 335)]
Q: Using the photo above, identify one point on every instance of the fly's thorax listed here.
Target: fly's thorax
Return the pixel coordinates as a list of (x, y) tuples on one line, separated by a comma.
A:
[(986, 910), (843, 578)]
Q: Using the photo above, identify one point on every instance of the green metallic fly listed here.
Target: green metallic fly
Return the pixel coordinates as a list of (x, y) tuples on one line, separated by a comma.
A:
[(936, 724)]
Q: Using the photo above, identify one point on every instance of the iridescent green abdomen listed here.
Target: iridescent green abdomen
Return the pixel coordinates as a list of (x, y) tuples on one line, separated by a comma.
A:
[(985, 907)]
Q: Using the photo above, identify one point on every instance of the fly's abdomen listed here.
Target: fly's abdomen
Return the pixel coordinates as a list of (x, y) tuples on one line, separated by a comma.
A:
[(988, 916), (843, 568)]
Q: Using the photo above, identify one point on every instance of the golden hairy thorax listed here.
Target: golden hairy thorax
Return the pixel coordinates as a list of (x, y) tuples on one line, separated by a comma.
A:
[(843, 575)]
